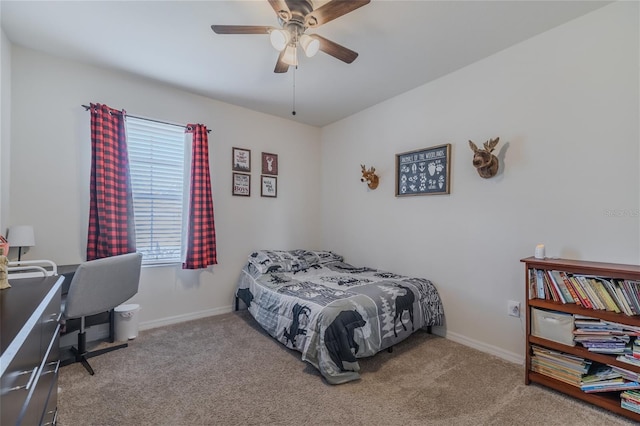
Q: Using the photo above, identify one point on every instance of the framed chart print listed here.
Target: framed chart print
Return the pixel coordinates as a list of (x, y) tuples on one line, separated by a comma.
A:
[(424, 171), (241, 184), (241, 160), (269, 186), (269, 164)]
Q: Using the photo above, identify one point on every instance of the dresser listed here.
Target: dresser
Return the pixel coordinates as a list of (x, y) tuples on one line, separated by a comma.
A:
[(30, 327)]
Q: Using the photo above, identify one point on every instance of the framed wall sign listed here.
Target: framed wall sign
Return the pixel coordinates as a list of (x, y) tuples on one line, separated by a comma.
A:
[(241, 161), (269, 164), (424, 171), (269, 187), (241, 184)]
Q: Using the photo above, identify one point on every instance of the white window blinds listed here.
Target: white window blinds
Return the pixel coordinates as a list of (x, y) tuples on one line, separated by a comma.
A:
[(157, 165)]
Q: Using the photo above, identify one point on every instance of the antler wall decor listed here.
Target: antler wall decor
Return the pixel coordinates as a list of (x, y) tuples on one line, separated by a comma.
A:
[(370, 177), (483, 160)]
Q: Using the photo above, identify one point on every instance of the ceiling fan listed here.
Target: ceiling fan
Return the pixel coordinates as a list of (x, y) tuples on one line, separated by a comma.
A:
[(295, 17)]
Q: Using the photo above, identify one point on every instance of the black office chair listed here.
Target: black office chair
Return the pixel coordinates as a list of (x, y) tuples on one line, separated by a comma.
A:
[(97, 287)]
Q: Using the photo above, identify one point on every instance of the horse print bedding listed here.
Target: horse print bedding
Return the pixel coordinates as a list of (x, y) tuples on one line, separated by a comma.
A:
[(333, 312)]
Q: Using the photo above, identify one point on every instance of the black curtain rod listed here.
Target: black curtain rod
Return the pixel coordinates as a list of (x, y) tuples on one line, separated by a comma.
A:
[(87, 108)]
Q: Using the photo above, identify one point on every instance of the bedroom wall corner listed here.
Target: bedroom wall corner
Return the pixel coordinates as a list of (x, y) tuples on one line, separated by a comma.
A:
[(5, 125)]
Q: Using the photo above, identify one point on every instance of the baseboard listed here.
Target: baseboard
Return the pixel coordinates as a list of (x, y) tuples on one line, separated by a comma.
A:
[(483, 347), (147, 325), (439, 331)]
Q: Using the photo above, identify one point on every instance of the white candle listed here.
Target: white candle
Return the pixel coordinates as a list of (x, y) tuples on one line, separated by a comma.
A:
[(539, 251)]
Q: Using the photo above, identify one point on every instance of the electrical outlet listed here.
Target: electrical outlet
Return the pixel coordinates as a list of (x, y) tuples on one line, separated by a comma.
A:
[(513, 308)]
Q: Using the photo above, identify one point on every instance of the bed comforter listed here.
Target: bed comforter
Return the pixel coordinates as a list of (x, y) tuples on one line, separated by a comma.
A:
[(334, 312)]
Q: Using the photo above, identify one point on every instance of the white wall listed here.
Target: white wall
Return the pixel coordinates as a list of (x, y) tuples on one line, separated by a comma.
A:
[(565, 105), (50, 168), (5, 126)]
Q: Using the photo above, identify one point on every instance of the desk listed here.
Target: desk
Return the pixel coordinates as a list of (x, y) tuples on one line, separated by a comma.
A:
[(29, 325)]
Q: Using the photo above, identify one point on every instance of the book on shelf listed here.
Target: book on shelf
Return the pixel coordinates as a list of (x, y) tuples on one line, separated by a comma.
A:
[(563, 376), (532, 284), (635, 348), (591, 326), (591, 292), (563, 367), (605, 345), (605, 337), (552, 291), (602, 383), (611, 387), (629, 359), (540, 284), (573, 362), (614, 351), (575, 294), (630, 405), (599, 373), (594, 295), (634, 289), (630, 290), (560, 287), (580, 291), (621, 297), (631, 395), (631, 330), (618, 298), (604, 300), (627, 374)]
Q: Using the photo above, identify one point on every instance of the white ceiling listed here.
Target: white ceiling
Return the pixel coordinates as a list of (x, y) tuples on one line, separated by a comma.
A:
[(402, 45)]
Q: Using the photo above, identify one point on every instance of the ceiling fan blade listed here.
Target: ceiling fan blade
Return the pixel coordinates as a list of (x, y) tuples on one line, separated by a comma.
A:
[(281, 9), (332, 10), (334, 49), (281, 66), (240, 29)]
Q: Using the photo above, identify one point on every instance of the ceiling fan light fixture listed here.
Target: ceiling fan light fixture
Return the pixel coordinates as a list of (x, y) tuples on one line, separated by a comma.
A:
[(290, 57), (279, 39), (310, 45)]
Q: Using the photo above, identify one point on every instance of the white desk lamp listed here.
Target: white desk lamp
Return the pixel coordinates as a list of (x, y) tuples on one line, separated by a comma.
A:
[(21, 236)]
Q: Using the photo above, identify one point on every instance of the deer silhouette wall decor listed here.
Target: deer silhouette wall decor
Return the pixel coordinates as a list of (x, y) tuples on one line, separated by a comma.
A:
[(370, 177), (483, 160)]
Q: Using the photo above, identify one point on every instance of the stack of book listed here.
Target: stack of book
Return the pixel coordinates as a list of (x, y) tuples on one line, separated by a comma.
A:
[(605, 378), (615, 295), (602, 336), (627, 374), (559, 365), (630, 399), (613, 385), (633, 357), (629, 359)]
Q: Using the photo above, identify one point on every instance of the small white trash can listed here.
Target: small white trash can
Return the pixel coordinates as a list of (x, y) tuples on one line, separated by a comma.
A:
[(126, 322)]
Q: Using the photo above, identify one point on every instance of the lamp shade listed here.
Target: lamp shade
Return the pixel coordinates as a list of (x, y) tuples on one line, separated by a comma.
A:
[(290, 57), (21, 236), (310, 45), (279, 39)]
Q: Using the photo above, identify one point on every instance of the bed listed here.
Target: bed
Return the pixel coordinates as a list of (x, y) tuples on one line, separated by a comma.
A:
[(333, 312)]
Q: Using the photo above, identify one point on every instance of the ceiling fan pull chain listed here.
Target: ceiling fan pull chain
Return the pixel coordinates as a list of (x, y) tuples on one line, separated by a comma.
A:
[(293, 112)]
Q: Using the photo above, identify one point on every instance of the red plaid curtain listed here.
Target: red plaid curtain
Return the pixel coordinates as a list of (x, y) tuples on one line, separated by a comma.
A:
[(111, 225), (201, 232)]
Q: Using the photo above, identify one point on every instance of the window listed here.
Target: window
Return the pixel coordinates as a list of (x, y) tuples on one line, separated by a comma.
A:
[(157, 167)]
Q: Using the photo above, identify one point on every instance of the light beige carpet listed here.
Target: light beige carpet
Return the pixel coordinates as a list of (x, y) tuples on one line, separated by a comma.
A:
[(225, 370)]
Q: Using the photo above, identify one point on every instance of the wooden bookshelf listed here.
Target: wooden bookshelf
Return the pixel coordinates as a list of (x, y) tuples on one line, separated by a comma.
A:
[(606, 400)]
